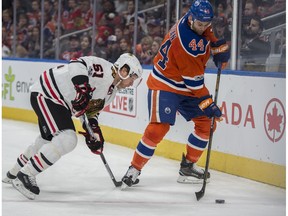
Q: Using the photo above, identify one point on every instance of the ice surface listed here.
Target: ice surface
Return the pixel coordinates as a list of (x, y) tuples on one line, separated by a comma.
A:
[(78, 184)]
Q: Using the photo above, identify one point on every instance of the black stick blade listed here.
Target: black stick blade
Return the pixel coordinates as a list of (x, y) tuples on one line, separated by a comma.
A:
[(118, 184), (199, 194)]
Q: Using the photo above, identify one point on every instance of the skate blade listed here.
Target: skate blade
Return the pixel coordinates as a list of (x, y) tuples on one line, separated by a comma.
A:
[(190, 180), (18, 185), (7, 180)]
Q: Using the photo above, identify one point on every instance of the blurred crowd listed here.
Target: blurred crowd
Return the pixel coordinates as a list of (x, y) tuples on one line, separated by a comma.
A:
[(256, 16), (115, 27)]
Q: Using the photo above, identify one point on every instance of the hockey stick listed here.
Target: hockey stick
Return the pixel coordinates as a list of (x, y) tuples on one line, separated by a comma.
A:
[(200, 193), (90, 131)]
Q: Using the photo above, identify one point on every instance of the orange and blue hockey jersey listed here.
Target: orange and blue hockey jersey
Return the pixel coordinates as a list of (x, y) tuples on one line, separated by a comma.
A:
[(181, 60)]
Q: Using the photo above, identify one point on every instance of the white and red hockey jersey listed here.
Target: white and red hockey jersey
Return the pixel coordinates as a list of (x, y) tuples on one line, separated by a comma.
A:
[(56, 83)]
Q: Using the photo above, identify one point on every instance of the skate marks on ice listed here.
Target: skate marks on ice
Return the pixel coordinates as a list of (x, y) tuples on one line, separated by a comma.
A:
[(78, 184)]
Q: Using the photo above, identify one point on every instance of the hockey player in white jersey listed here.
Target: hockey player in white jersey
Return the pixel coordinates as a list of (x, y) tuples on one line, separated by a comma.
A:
[(85, 85)]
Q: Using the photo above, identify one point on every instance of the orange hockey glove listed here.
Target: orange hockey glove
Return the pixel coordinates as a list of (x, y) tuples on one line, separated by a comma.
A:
[(221, 53)]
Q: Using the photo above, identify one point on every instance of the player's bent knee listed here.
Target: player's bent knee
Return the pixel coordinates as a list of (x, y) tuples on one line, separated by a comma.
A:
[(34, 148), (156, 131), (65, 141), (39, 142), (202, 126)]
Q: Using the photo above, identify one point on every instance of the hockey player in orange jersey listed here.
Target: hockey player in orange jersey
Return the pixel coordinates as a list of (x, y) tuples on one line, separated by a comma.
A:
[(176, 84)]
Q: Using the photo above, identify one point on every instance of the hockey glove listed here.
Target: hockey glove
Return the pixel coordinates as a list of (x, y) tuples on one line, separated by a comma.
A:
[(95, 145), (221, 53), (209, 107), (84, 93)]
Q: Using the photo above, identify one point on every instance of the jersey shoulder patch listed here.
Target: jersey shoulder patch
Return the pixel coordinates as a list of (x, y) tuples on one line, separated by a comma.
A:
[(191, 42)]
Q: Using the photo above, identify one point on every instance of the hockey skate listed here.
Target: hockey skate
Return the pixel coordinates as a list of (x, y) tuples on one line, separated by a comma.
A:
[(26, 185), (190, 173), (130, 177), (8, 179)]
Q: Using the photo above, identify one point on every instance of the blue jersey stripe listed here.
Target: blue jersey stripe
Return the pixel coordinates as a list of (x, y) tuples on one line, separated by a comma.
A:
[(194, 84), (180, 86)]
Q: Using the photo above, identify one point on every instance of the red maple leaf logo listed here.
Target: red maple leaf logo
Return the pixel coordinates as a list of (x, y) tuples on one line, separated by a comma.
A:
[(274, 120)]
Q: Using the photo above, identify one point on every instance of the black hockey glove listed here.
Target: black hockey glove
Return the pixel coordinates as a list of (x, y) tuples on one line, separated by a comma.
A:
[(208, 106), (84, 93), (95, 145)]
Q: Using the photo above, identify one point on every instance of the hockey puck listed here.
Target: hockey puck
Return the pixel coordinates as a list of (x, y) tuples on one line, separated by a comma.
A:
[(220, 201)]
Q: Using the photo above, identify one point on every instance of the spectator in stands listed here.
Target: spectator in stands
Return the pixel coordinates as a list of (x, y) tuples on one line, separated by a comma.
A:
[(64, 18), (34, 15), (85, 45), (101, 41), (72, 49), (154, 28), (118, 31), (250, 8), (120, 6), (125, 45), (126, 33), (263, 8), (254, 50), (86, 14), (74, 15), (7, 24), (156, 45), (220, 28), (143, 50), (22, 30), (141, 29), (150, 14), (21, 51), (6, 52), (221, 6), (229, 9), (129, 13), (113, 49), (104, 32), (279, 5), (21, 6), (34, 43), (49, 36), (7, 21), (48, 8), (108, 17)]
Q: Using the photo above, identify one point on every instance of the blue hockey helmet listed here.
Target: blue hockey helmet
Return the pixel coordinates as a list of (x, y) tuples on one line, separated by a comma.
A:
[(202, 10)]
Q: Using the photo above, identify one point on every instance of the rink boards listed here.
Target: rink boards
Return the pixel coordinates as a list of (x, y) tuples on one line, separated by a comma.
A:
[(249, 142)]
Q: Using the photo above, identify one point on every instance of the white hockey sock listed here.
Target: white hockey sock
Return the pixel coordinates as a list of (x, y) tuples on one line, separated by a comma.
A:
[(61, 144), (39, 163), (21, 161), (28, 153)]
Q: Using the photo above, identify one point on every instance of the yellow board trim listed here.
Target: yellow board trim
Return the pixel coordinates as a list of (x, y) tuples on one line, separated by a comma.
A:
[(240, 166)]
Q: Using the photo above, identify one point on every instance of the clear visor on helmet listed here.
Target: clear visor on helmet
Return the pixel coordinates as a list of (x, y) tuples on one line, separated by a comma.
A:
[(125, 73)]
